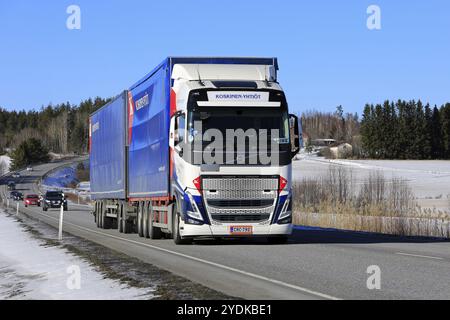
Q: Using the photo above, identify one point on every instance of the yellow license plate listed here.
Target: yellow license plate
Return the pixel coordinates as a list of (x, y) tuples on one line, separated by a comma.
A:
[(241, 230)]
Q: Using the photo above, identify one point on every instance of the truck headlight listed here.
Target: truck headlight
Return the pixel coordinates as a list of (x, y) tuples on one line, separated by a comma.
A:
[(286, 212), (195, 212)]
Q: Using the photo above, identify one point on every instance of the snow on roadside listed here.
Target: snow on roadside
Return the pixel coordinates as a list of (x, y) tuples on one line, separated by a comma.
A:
[(31, 270), (7, 161)]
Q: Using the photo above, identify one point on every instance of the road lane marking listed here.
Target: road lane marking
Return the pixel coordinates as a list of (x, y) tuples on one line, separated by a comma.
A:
[(217, 265), (418, 255)]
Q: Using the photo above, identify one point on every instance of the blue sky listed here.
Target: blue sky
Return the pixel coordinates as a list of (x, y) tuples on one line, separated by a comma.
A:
[(327, 55)]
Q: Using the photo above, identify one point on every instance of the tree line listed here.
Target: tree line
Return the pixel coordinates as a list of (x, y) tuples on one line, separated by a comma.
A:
[(61, 128), (406, 130), (339, 126)]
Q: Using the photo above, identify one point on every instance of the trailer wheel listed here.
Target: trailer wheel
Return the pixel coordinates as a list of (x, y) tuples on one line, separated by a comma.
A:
[(153, 232), (105, 221), (119, 218), (140, 227), (127, 227), (176, 227), (145, 223), (100, 211)]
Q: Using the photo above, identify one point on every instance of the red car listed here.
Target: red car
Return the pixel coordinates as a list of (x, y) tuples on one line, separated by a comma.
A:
[(32, 200)]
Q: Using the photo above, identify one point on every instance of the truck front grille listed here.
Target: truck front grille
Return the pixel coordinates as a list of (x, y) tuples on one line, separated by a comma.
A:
[(241, 218), (240, 203), (240, 199)]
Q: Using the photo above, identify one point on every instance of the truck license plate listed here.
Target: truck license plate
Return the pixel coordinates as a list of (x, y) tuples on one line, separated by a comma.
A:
[(241, 230)]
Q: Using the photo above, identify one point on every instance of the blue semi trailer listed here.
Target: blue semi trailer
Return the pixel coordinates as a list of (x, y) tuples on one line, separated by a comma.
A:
[(146, 176)]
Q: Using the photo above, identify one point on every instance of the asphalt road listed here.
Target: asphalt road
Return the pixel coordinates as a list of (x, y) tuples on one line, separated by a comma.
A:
[(315, 264)]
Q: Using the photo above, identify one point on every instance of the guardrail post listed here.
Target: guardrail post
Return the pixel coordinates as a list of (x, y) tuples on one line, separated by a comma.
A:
[(17, 208), (7, 203), (61, 217)]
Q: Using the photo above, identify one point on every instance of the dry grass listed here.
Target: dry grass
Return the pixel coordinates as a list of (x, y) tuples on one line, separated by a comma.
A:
[(375, 204)]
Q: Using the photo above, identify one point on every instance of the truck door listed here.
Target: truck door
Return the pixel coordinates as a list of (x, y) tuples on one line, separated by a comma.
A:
[(177, 141)]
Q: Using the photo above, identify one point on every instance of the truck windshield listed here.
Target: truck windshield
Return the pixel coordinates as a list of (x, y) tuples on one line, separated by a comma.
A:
[(222, 119)]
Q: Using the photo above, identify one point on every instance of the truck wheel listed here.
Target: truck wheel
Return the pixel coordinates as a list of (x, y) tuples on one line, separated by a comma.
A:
[(140, 227), (105, 221), (176, 228), (153, 232), (97, 214), (119, 218), (127, 227), (100, 215), (145, 222)]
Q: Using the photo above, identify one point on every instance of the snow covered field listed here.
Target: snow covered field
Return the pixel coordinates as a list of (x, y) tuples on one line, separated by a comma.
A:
[(429, 179), (31, 269), (6, 161)]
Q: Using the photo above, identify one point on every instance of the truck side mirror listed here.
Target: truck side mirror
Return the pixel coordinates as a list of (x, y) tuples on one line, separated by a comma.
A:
[(294, 134)]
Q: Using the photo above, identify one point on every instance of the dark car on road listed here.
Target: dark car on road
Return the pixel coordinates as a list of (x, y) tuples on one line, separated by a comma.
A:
[(16, 195), (11, 185), (12, 194), (54, 199)]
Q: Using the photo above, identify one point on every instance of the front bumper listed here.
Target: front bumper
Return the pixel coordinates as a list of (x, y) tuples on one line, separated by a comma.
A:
[(54, 205), (223, 230)]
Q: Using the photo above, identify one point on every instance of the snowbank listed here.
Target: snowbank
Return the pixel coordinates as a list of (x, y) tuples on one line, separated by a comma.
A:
[(7, 161), (30, 270)]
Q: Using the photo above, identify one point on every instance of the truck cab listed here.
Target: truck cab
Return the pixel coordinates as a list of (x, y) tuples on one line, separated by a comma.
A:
[(232, 148)]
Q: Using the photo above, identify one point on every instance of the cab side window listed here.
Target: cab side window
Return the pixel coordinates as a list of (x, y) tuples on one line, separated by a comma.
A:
[(181, 128)]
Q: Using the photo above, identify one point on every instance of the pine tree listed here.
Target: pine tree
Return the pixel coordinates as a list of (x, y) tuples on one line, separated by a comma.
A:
[(427, 148), (366, 131), (445, 118), (436, 135)]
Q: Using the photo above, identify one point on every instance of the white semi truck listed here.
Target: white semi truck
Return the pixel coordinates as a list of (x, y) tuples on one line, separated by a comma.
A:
[(200, 147)]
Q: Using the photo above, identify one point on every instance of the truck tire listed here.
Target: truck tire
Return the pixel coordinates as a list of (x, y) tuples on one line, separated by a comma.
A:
[(100, 215), (97, 214), (127, 227), (105, 221), (153, 232), (176, 227), (145, 222), (119, 218), (140, 227)]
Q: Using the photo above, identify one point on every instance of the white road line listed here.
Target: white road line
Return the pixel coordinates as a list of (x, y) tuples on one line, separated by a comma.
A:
[(418, 255), (249, 274)]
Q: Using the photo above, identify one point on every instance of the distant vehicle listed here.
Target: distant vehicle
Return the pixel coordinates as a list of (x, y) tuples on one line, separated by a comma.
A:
[(54, 199), (18, 196), (12, 194), (16, 175), (11, 185), (29, 169), (32, 200)]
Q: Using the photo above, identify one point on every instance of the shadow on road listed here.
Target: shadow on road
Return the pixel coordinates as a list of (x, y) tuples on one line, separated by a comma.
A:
[(307, 235)]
